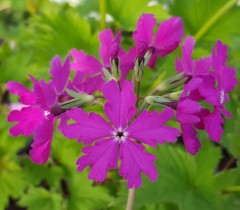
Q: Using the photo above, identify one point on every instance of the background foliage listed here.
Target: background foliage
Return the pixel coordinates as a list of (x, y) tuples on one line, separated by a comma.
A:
[(33, 31)]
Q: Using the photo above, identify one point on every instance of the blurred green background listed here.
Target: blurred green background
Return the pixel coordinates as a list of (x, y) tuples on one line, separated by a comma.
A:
[(33, 31)]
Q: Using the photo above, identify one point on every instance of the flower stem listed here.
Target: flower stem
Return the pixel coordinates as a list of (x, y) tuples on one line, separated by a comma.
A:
[(102, 8), (214, 18), (130, 201), (232, 189), (138, 92)]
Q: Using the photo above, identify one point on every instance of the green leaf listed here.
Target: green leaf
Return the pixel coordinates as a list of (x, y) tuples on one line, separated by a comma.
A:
[(126, 13), (184, 180), (35, 174), (217, 20), (12, 182), (57, 33), (41, 199), (84, 195)]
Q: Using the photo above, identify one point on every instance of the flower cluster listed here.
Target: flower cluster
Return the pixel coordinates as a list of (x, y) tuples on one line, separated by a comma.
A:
[(129, 125)]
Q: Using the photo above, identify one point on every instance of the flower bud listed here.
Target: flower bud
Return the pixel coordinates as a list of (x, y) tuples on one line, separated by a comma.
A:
[(174, 95), (157, 100), (116, 72), (107, 74), (79, 100), (138, 69), (171, 83), (147, 57), (114, 60)]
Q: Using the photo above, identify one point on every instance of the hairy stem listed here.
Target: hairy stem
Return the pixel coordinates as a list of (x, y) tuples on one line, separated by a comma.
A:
[(214, 18), (130, 201)]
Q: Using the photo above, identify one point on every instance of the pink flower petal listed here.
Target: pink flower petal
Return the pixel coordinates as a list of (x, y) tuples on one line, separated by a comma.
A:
[(63, 121), (202, 115), (42, 141), (186, 65), (85, 63), (148, 128), (27, 120), (26, 96), (127, 62), (45, 93), (107, 39), (144, 30), (152, 61), (186, 112), (209, 92), (120, 106), (202, 66), (219, 56), (228, 79), (84, 83), (195, 95), (191, 142), (60, 73), (213, 125), (88, 127), (102, 157), (226, 113), (168, 36), (134, 161), (193, 84)]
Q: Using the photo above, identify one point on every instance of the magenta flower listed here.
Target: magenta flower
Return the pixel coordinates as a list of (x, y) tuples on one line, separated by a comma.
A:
[(43, 109), (121, 138), (186, 115), (217, 95), (196, 70), (110, 49), (166, 40)]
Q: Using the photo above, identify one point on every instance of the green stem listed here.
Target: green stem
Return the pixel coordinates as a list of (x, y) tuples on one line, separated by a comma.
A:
[(138, 91), (214, 18), (102, 8), (232, 189)]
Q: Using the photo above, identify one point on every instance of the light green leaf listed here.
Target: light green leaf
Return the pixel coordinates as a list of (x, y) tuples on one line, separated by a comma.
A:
[(184, 180), (126, 13), (209, 20), (12, 182), (84, 195), (41, 199), (57, 33)]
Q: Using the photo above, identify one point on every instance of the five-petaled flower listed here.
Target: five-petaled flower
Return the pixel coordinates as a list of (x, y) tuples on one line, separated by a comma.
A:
[(123, 137)]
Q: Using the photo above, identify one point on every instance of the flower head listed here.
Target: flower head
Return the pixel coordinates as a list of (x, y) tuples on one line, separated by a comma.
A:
[(110, 50), (121, 138), (43, 108), (166, 40), (215, 91)]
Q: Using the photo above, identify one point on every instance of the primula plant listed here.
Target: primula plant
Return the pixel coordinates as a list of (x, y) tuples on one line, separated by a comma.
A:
[(100, 103)]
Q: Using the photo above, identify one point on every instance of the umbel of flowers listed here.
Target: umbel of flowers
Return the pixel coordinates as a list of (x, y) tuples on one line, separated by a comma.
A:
[(127, 125)]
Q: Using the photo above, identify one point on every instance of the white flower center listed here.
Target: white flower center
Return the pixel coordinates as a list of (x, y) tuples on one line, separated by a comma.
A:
[(120, 135), (221, 96), (46, 113)]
